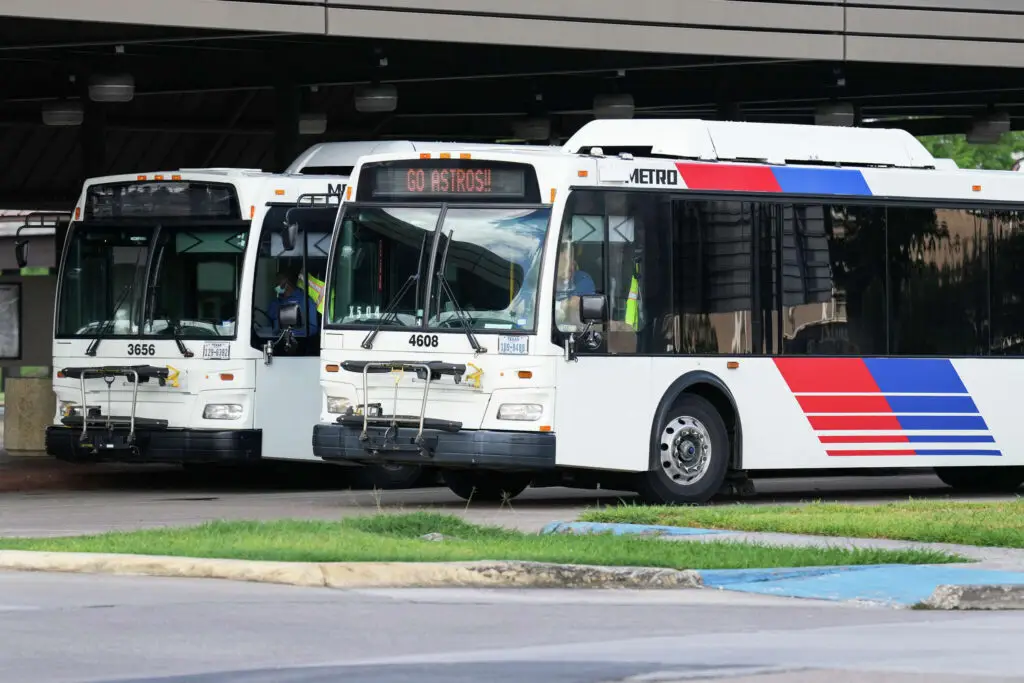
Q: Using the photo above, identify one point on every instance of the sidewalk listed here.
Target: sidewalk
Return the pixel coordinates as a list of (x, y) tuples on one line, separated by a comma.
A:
[(891, 585)]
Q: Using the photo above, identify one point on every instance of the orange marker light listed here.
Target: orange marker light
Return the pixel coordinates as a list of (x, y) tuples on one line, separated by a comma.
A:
[(140, 177), (976, 188), (553, 191), (279, 193), (424, 155), (732, 365), (331, 368), (175, 177), (226, 376), (78, 212), (545, 428), (252, 212), (582, 173), (465, 155), (446, 155), (158, 177), (348, 193), (525, 374)]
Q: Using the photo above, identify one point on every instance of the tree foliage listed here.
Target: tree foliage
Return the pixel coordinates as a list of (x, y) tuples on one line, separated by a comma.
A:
[(998, 157)]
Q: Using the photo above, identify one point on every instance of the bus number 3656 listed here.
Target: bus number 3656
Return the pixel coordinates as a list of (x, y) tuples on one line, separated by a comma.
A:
[(424, 340), (142, 349)]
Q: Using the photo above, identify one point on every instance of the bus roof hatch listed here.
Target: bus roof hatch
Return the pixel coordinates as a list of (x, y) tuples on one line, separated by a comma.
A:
[(771, 143)]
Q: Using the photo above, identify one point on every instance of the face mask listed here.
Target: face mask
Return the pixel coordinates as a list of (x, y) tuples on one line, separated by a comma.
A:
[(279, 289)]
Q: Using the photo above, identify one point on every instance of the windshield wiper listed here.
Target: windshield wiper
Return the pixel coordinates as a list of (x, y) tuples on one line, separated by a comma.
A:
[(460, 312), (367, 342), (91, 350), (176, 332)]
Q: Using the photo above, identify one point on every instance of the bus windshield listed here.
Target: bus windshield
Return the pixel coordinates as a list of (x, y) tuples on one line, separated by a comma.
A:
[(192, 288), (486, 264)]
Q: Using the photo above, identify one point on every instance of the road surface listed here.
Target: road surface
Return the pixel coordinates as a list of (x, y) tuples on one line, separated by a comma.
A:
[(73, 628)]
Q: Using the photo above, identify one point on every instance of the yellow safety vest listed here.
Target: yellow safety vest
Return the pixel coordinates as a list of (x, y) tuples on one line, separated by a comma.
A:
[(633, 303), (315, 288)]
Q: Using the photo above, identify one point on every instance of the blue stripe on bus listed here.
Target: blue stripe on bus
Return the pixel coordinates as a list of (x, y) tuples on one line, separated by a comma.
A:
[(915, 376), (932, 404), (950, 438), (942, 451), (843, 181), (944, 423)]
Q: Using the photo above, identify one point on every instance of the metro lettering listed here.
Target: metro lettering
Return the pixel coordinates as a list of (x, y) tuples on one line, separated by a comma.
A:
[(654, 176)]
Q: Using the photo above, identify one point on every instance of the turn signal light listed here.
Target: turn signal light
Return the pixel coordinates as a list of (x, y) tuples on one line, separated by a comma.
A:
[(331, 368)]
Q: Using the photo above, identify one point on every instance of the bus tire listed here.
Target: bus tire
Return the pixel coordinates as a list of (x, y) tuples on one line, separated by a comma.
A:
[(486, 486), (388, 476), (689, 454), (982, 479)]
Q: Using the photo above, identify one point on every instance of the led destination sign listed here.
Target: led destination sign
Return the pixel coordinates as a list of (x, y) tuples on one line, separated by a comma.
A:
[(449, 181)]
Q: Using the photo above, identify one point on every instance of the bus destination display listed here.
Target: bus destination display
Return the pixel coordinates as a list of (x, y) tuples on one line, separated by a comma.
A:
[(397, 181)]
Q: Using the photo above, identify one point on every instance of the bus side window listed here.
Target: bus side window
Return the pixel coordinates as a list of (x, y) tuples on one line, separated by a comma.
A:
[(579, 265)]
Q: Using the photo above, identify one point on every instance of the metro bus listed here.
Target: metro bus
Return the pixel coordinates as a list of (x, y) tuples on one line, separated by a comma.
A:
[(673, 306), (165, 334)]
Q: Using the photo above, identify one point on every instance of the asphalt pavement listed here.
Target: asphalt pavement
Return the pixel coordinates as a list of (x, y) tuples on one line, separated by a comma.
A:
[(158, 499), (77, 629)]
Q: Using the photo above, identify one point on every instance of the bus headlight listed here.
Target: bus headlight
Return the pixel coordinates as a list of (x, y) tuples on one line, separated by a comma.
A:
[(72, 409), (222, 411), (523, 412), (337, 406)]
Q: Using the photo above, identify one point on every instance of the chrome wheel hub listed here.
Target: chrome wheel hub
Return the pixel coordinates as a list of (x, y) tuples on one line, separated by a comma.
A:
[(685, 450)]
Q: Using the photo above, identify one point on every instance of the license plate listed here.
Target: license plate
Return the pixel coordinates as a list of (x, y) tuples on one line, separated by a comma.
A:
[(513, 345), (217, 351)]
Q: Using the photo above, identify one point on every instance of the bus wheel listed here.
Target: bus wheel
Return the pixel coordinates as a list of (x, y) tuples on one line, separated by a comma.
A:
[(982, 479), (486, 486), (689, 454), (388, 476)]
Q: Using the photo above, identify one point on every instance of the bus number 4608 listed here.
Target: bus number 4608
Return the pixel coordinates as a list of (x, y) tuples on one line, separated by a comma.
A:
[(424, 340)]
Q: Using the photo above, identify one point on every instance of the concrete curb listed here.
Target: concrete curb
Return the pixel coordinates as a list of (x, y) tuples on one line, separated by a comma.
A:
[(992, 597), (484, 574)]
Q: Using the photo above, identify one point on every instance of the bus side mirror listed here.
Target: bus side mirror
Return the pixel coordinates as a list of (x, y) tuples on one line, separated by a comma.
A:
[(288, 315), (290, 235), (21, 253), (592, 309)]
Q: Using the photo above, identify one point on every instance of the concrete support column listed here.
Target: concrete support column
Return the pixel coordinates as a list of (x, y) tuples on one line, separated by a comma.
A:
[(30, 407), (286, 125)]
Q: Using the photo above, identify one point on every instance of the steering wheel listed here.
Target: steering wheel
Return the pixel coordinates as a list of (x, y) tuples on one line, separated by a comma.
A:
[(198, 331), (270, 321)]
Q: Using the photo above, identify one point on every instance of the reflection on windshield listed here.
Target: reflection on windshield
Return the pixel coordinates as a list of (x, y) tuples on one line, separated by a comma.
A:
[(103, 281), (193, 286), (376, 251), (491, 260)]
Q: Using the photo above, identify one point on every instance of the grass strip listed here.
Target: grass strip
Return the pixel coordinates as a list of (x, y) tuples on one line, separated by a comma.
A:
[(998, 524), (397, 538)]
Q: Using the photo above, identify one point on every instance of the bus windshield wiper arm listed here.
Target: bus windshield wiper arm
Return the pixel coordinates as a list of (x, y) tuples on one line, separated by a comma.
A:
[(367, 342), (176, 331), (460, 312), (91, 350)]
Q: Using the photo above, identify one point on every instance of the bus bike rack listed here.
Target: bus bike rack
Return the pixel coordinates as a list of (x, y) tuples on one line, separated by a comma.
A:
[(134, 373), (429, 372)]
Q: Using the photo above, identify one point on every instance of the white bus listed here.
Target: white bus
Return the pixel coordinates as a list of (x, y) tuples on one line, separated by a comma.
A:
[(665, 306), (168, 333)]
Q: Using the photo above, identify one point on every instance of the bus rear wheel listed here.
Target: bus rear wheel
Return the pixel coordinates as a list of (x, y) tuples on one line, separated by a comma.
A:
[(982, 479), (689, 454), (486, 486)]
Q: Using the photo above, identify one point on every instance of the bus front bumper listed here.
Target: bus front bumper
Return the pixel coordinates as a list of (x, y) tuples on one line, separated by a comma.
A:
[(154, 446), (477, 448)]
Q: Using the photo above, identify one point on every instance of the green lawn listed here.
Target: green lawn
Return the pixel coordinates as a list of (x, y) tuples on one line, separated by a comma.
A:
[(397, 538), (983, 524)]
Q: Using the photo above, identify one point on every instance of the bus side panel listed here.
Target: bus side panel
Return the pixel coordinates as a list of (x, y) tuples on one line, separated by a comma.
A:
[(878, 412), (804, 412)]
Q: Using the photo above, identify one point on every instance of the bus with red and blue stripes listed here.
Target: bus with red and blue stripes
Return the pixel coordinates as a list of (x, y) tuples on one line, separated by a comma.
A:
[(673, 306)]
